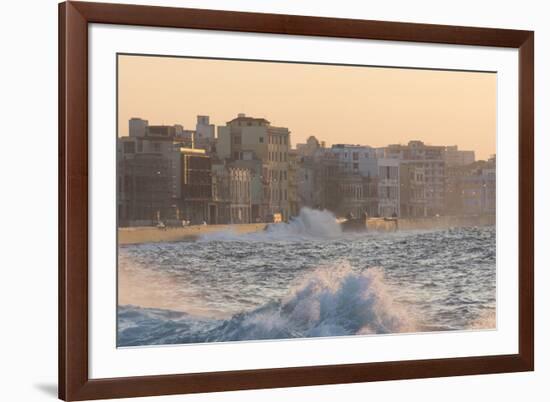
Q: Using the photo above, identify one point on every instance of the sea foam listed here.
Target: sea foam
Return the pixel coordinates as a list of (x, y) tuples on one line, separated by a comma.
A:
[(309, 224), (329, 301)]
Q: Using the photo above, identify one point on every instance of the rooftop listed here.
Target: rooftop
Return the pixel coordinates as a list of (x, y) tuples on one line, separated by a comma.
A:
[(243, 118)]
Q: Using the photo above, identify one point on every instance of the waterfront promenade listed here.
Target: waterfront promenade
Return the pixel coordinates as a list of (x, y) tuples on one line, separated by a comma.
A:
[(136, 235), (148, 234)]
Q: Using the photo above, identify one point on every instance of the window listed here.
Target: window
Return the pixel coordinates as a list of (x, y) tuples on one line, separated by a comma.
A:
[(261, 139), (355, 166), (129, 147), (355, 156), (156, 146), (237, 140)]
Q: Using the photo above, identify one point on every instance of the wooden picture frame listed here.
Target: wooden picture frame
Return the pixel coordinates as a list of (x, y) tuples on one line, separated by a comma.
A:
[(74, 381)]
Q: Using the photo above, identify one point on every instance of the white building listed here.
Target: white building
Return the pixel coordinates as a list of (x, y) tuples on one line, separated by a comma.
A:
[(204, 130), (358, 159)]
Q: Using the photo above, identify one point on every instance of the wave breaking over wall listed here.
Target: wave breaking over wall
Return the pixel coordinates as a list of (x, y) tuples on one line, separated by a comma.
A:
[(309, 224)]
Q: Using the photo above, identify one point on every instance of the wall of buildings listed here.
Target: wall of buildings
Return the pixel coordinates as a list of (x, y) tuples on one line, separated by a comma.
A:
[(249, 172)]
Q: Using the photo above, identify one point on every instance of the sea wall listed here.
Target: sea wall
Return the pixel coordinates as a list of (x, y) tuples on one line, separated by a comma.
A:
[(443, 222), (433, 222), (381, 224), (136, 235)]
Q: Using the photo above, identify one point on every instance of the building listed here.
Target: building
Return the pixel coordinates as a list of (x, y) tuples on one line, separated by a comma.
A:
[(455, 157), (248, 138), (471, 189), (258, 202), (161, 131), (388, 188), (145, 185), (314, 163), (347, 179), (431, 159), (219, 210), (310, 148), (350, 199), (317, 181), (370, 195), (368, 182), (357, 159), (205, 130), (137, 127), (205, 134), (239, 194), (307, 192), (161, 176), (184, 138), (196, 185), (231, 194), (412, 194), (293, 166)]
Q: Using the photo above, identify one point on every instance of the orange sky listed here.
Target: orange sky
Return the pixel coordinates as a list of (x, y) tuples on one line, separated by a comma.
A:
[(338, 104)]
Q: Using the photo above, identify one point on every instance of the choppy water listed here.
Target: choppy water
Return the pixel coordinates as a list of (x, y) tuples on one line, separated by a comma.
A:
[(306, 279)]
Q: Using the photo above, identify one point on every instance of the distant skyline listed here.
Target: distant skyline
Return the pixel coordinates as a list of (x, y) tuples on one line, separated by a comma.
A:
[(373, 106)]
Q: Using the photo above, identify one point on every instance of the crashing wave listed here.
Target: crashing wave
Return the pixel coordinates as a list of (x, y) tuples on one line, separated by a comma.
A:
[(309, 224), (330, 301)]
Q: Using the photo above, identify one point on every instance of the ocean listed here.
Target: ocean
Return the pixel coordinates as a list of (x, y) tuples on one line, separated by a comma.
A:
[(306, 279)]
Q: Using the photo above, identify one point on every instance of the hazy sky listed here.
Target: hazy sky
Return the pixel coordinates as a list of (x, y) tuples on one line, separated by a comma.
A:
[(337, 104)]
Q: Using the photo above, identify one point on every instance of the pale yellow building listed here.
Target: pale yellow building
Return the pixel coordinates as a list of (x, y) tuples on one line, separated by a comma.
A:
[(248, 138)]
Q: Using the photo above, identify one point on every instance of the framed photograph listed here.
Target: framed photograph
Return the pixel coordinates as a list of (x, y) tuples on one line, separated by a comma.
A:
[(259, 200)]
